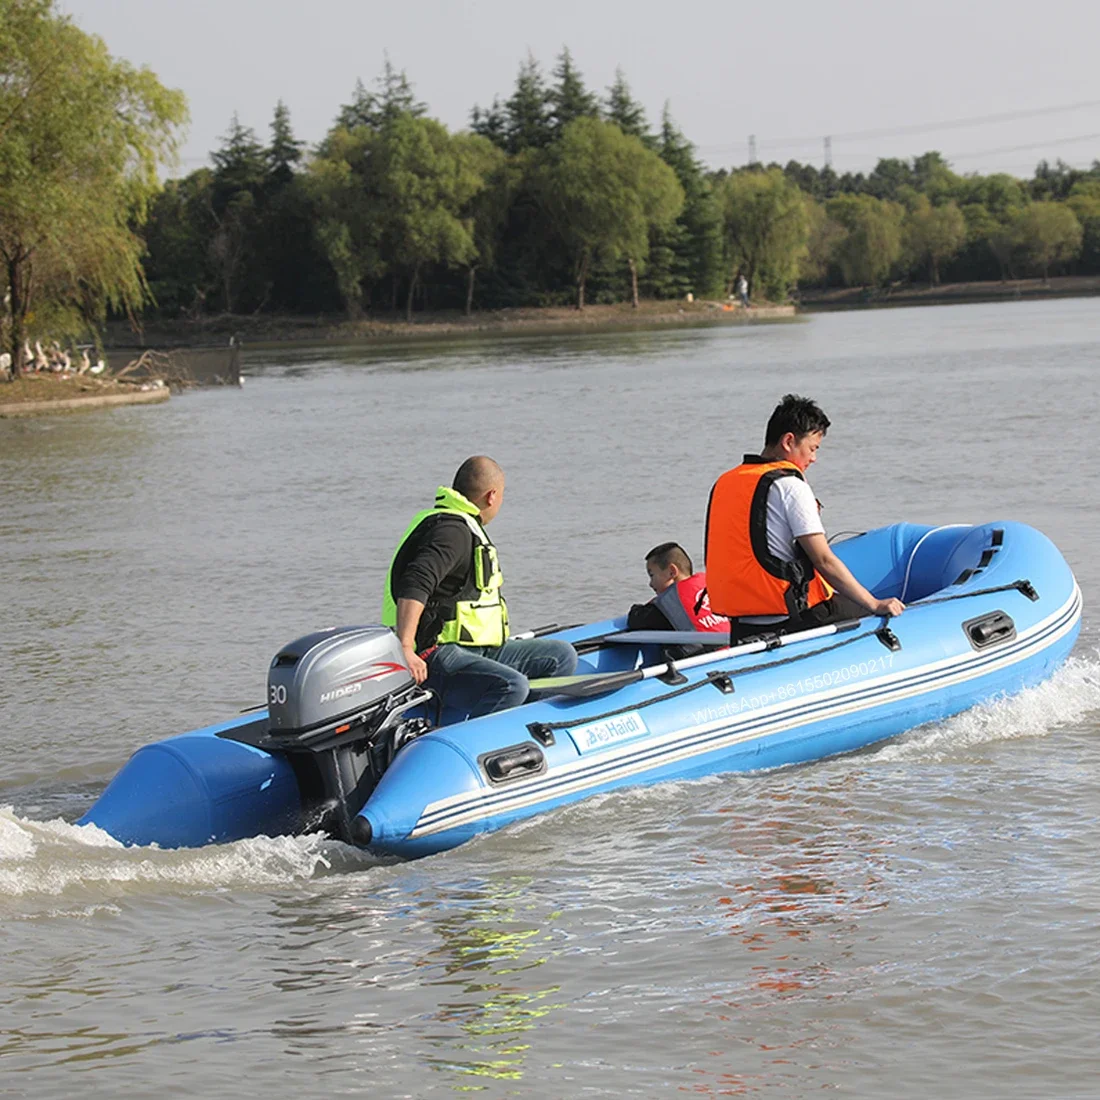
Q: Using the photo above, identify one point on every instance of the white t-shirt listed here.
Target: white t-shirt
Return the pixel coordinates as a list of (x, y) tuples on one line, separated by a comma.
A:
[(792, 512)]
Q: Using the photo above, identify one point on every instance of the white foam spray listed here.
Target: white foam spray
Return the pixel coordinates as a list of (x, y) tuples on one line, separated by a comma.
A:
[(55, 859), (1067, 698)]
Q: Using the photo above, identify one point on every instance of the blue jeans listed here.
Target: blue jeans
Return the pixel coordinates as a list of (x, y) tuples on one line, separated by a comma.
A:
[(476, 680)]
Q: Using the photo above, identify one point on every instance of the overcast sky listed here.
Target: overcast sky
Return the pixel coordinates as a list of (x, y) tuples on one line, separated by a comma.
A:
[(788, 73)]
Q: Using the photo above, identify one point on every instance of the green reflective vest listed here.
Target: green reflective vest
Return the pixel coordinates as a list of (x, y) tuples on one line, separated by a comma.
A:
[(479, 615)]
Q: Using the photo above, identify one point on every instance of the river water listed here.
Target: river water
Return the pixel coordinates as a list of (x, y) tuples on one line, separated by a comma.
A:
[(916, 920)]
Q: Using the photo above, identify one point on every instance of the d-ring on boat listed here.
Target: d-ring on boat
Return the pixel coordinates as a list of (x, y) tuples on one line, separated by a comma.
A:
[(347, 744)]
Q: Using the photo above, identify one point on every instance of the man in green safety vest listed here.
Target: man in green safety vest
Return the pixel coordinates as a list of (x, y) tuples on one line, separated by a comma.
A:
[(444, 601)]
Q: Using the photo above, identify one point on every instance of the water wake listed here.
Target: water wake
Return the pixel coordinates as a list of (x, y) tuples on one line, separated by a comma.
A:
[(54, 859), (1063, 700)]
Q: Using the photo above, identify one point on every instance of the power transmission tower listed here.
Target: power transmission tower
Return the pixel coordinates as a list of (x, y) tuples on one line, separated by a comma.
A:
[(828, 152), (752, 149)]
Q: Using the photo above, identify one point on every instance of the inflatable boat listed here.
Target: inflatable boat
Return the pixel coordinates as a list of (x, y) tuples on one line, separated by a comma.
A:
[(350, 744)]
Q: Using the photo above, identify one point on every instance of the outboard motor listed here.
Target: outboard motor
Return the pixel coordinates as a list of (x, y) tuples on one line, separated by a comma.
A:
[(337, 704)]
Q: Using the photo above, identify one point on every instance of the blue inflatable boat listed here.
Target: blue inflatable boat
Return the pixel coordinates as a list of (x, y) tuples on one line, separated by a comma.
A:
[(351, 745)]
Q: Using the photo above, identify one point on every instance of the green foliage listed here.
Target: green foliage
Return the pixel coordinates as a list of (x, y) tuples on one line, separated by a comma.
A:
[(1084, 201), (1047, 233), (392, 98), (486, 210), (80, 145), (933, 234), (604, 192), (765, 228), (539, 204), (285, 151), (395, 200), (686, 256), (625, 111), (527, 112), (872, 240), (568, 98), (177, 238), (824, 238)]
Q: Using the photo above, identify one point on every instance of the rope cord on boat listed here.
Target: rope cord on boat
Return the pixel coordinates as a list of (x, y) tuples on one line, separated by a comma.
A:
[(707, 682), (1023, 586)]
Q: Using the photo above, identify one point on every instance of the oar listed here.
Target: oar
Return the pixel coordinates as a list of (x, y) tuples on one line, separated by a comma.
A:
[(585, 686), (667, 637), (652, 637), (539, 631)]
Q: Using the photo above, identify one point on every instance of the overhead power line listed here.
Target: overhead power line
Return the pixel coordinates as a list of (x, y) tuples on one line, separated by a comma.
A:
[(915, 128), (1024, 148)]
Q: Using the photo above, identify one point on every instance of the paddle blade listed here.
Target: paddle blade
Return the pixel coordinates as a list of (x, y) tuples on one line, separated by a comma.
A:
[(588, 685)]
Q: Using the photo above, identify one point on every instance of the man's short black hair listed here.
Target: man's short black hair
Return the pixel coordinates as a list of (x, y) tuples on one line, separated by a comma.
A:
[(670, 553), (795, 414)]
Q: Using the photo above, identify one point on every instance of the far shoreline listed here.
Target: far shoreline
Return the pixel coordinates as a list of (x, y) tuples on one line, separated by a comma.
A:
[(1011, 290), (270, 330), (273, 330)]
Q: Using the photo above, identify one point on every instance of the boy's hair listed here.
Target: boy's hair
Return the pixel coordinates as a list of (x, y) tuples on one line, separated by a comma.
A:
[(671, 553), (795, 414)]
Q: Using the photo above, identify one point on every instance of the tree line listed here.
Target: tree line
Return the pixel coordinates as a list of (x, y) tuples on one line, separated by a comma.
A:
[(553, 195), (556, 194)]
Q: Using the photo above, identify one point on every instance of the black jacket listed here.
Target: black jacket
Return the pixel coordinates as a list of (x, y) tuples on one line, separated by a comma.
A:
[(432, 567)]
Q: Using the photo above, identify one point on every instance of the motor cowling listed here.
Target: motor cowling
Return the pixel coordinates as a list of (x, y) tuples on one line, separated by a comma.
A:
[(341, 703), (333, 674)]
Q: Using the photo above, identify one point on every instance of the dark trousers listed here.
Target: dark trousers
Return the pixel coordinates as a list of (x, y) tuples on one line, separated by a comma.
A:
[(838, 609), (476, 680)]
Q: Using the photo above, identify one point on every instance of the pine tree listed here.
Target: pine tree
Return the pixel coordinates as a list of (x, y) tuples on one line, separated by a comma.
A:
[(569, 99), (527, 112), (285, 151), (361, 111), (687, 256), (240, 164), (395, 96), (491, 124), (374, 110), (625, 111)]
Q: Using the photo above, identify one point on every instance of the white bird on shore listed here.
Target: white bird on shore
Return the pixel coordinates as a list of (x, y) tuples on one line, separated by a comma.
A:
[(28, 355), (5, 360), (85, 362), (99, 368), (40, 360)]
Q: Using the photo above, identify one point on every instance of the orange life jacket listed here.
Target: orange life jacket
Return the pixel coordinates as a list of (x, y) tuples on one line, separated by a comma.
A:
[(743, 576)]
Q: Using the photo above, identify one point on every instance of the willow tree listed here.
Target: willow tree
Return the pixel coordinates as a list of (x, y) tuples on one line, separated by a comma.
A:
[(766, 229), (605, 192), (81, 137), (872, 242), (1048, 233), (933, 234)]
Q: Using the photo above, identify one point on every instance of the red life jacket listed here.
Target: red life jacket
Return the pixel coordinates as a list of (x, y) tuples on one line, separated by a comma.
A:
[(686, 606)]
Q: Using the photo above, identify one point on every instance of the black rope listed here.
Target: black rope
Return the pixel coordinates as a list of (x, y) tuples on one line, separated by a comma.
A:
[(1022, 586), (711, 676)]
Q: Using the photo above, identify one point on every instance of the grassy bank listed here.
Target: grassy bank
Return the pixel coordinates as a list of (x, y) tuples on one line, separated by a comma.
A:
[(1065, 286), (272, 329)]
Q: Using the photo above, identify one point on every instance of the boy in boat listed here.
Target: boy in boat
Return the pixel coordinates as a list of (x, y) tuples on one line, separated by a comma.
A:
[(769, 564), (681, 602), (443, 599)]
